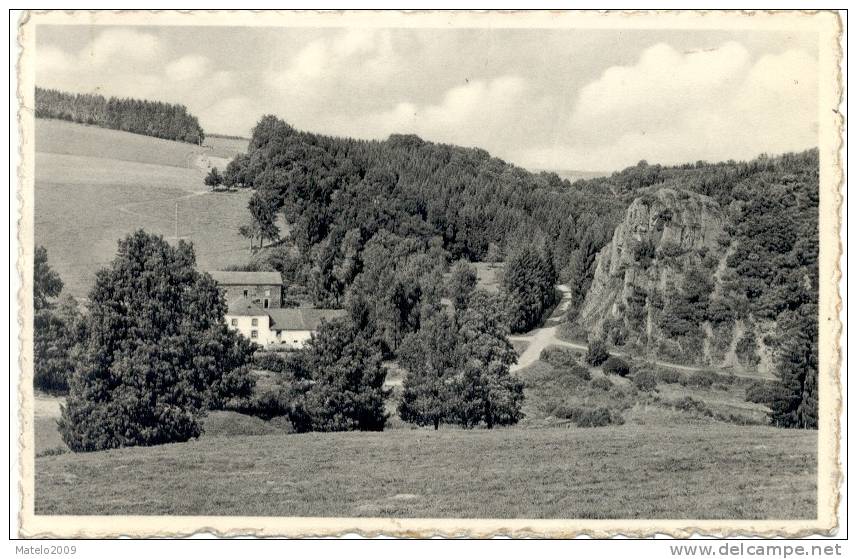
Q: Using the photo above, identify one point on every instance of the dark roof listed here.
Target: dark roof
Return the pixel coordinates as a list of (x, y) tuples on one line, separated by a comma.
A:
[(243, 307), (301, 318), (246, 278)]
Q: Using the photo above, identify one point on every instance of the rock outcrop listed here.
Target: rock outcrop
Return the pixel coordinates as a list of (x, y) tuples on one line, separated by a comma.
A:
[(657, 285)]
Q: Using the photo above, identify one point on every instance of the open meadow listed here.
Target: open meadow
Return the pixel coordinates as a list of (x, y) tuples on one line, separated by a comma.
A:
[(94, 186), (631, 471)]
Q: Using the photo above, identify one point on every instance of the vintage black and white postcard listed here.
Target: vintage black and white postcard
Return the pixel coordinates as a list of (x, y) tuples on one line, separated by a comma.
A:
[(458, 273)]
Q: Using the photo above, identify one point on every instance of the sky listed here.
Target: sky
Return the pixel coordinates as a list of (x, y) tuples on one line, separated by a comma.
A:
[(562, 99)]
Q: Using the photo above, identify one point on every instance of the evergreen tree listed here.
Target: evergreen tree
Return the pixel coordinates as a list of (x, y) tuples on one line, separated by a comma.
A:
[(346, 381), (797, 369), (529, 284), (156, 353), (462, 282)]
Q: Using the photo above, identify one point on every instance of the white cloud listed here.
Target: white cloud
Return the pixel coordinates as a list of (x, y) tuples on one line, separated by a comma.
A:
[(353, 60), (472, 114), (52, 60), (233, 115), (672, 107), (668, 105), (191, 67), (113, 44)]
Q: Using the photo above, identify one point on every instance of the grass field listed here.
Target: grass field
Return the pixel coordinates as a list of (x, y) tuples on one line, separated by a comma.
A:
[(93, 186), (709, 471), (225, 147)]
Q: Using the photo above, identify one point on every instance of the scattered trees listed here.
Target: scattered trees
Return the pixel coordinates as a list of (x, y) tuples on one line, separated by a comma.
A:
[(213, 179), (151, 118), (156, 352)]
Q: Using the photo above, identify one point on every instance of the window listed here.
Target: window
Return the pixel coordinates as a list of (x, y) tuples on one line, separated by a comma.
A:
[(246, 293), (255, 322), (266, 303), (267, 293), (234, 322), (254, 334)]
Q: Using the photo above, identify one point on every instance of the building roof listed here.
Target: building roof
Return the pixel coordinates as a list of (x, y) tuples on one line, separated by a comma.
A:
[(301, 318), (243, 307), (246, 278)]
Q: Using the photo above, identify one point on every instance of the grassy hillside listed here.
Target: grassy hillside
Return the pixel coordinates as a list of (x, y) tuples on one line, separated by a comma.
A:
[(68, 138), (94, 186), (711, 471)]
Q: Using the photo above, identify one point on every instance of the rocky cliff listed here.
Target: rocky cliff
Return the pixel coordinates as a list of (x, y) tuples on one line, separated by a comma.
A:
[(658, 287)]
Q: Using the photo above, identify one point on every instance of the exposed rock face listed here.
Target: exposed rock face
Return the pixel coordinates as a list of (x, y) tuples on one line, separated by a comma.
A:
[(657, 283)]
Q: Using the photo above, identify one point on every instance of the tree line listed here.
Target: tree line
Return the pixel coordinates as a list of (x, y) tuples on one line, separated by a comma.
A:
[(150, 118), (337, 194)]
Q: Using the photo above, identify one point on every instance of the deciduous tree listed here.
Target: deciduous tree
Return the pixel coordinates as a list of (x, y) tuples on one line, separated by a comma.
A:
[(156, 353)]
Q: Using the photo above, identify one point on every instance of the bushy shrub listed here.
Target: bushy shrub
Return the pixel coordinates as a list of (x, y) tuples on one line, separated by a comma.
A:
[(270, 361), (592, 417), (761, 392), (601, 383), (669, 376), (580, 372), (746, 349), (264, 405), (690, 404), (616, 366), (596, 353), (55, 451), (559, 357), (645, 380), (702, 379)]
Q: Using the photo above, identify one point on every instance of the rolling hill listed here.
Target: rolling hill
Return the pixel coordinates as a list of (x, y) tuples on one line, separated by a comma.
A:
[(95, 185)]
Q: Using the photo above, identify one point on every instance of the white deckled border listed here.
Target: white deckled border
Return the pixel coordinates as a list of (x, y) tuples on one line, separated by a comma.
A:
[(829, 29)]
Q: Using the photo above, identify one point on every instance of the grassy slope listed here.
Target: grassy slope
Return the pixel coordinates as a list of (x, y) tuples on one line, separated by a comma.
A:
[(94, 186), (61, 137), (710, 471)]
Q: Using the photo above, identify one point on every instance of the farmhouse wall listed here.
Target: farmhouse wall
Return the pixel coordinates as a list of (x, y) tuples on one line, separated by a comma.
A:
[(256, 294)]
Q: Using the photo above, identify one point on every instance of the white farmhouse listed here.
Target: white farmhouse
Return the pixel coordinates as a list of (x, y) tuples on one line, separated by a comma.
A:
[(276, 328)]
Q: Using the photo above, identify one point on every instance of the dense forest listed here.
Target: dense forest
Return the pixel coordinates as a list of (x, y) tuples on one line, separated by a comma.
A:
[(337, 193), (150, 118), (375, 223)]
